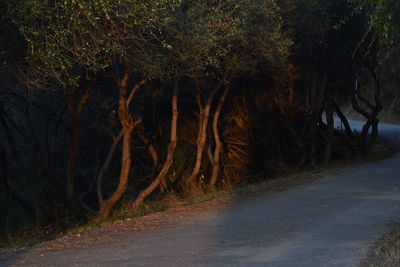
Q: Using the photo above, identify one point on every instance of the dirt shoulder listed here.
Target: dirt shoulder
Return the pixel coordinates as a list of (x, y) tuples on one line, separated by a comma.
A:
[(179, 214)]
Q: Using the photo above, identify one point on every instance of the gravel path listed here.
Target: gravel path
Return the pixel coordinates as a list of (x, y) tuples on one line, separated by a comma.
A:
[(330, 222)]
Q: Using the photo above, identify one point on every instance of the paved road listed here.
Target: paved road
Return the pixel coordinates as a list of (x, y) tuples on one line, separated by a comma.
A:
[(330, 222)]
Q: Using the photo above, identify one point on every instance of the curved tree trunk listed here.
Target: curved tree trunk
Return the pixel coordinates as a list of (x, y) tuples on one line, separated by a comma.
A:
[(103, 169), (215, 162), (107, 205), (170, 155), (128, 126), (372, 120), (151, 150), (343, 119), (204, 115), (349, 135)]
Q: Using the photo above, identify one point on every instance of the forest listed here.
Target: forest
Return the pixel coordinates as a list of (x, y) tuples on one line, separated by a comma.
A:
[(111, 103)]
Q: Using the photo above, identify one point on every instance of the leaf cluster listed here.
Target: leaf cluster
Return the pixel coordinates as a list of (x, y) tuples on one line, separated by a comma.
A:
[(70, 40)]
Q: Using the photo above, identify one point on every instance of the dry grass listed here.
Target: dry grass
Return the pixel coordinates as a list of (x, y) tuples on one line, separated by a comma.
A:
[(386, 252)]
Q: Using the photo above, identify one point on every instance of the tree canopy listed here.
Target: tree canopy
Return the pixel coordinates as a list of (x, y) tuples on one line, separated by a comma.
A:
[(109, 102)]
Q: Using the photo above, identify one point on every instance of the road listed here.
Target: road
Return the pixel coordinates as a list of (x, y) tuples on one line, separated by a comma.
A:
[(330, 222)]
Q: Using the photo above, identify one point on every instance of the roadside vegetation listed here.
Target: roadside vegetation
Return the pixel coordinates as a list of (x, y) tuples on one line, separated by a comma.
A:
[(108, 108), (123, 217), (386, 252)]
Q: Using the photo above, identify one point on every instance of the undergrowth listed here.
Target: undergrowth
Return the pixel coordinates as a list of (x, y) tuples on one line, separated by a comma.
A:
[(386, 252), (290, 177)]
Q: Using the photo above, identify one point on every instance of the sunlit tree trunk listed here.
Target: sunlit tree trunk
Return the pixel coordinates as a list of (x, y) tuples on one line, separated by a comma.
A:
[(204, 116), (128, 126), (170, 154), (215, 160)]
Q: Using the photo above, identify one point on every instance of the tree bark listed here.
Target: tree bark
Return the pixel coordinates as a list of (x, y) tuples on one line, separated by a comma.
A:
[(170, 155), (345, 122), (313, 124), (204, 115), (218, 143), (107, 205), (128, 126), (348, 136), (297, 138), (372, 120), (150, 149), (329, 122), (105, 166), (317, 103), (74, 115)]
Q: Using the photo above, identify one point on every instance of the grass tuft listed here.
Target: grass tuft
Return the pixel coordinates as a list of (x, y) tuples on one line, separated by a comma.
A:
[(386, 252)]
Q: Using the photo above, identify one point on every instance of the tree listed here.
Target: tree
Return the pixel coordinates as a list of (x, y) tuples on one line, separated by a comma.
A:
[(233, 41), (73, 43)]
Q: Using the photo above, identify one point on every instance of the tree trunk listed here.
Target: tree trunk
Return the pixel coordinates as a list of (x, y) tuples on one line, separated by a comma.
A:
[(349, 135), (345, 122), (128, 126), (317, 103), (204, 115), (330, 124), (372, 121), (313, 124), (218, 144), (297, 138), (74, 116), (170, 155), (107, 205), (103, 169), (151, 150)]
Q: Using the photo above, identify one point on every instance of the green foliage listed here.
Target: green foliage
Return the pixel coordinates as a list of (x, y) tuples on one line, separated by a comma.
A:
[(70, 41), (227, 37), (384, 19), (74, 40)]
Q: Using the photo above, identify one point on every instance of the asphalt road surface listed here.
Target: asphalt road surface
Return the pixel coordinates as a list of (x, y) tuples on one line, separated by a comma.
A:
[(330, 222)]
